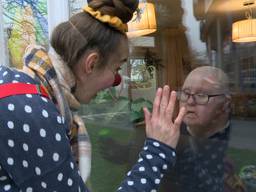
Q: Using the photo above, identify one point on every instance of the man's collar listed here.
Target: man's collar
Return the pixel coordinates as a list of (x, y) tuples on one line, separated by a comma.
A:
[(221, 134)]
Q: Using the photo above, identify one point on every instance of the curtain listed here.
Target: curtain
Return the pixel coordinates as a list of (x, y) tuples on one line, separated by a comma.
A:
[(174, 52)]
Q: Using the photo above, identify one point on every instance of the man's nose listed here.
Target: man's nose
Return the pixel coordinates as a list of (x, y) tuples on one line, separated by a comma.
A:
[(191, 100)]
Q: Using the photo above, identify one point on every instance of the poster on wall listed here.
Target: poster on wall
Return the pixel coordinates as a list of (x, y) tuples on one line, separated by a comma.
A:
[(25, 22)]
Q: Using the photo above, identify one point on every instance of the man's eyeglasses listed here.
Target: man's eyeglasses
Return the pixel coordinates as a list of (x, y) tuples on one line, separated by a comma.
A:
[(199, 98)]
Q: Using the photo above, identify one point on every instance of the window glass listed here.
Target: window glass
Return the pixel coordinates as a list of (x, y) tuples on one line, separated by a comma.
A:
[(188, 35)]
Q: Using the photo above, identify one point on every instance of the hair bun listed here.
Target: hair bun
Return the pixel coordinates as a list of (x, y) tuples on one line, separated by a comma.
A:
[(123, 9)]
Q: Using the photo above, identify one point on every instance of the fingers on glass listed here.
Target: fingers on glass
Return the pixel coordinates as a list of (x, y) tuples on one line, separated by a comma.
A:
[(171, 105), (147, 116), (156, 103), (180, 116), (164, 100)]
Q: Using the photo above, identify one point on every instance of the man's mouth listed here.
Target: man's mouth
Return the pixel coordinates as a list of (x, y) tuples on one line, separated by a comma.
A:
[(190, 114)]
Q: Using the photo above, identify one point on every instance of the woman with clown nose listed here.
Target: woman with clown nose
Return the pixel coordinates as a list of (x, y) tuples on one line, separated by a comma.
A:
[(44, 145)]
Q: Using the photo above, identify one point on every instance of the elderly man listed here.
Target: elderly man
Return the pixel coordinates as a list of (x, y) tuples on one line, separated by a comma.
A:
[(205, 134), (206, 96)]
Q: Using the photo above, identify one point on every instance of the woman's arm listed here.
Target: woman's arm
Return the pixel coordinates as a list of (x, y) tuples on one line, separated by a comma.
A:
[(158, 154)]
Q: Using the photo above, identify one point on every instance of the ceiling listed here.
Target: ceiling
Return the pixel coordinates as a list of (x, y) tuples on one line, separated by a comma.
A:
[(169, 13), (233, 5)]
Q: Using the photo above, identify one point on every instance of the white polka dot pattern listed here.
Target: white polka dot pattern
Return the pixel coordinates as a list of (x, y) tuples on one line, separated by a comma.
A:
[(33, 143), (37, 145), (150, 168)]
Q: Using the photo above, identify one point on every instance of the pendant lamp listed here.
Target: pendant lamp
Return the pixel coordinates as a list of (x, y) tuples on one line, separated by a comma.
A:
[(143, 21), (244, 30)]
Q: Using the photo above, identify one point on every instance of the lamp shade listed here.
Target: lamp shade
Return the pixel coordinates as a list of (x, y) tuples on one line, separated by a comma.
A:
[(145, 24), (244, 31)]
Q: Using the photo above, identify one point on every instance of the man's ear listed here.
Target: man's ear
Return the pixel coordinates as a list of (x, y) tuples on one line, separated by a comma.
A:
[(227, 105), (90, 61)]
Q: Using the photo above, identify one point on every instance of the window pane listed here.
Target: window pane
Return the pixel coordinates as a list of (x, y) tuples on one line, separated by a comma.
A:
[(217, 138)]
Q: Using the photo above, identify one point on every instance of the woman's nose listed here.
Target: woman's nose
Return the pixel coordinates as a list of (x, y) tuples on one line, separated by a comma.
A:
[(117, 80)]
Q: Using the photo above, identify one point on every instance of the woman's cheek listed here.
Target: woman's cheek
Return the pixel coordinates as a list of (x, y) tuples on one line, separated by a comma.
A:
[(108, 82)]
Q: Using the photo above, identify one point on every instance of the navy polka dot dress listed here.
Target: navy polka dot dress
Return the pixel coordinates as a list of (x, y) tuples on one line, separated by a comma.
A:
[(35, 154), (200, 163)]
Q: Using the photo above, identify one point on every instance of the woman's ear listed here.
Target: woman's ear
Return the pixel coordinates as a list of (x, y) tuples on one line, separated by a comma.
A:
[(90, 61)]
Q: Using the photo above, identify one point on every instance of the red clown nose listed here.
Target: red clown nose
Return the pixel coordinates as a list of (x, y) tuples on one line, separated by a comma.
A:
[(117, 80)]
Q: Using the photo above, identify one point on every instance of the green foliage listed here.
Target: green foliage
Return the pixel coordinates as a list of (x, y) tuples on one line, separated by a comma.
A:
[(117, 109), (137, 105), (104, 96), (242, 157), (248, 175), (106, 174)]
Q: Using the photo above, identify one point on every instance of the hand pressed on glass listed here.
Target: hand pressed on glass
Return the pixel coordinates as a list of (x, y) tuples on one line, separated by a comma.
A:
[(159, 124)]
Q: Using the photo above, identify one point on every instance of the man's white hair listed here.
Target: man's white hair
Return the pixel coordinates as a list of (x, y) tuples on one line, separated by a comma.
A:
[(215, 76)]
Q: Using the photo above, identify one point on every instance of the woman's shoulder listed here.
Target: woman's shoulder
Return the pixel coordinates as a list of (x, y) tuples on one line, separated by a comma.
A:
[(13, 75), (21, 102)]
